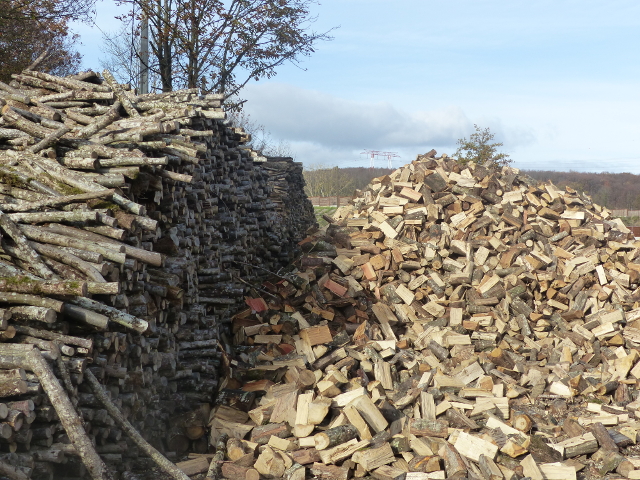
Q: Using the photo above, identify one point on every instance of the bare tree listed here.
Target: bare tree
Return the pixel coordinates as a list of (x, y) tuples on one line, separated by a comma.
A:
[(121, 57), (220, 45), (323, 181), (261, 139)]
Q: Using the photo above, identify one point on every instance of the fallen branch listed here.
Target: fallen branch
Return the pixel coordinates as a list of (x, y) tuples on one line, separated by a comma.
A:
[(154, 454), (39, 60), (29, 357), (218, 458)]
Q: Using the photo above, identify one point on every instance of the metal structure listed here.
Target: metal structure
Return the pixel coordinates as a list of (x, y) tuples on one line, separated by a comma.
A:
[(372, 154)]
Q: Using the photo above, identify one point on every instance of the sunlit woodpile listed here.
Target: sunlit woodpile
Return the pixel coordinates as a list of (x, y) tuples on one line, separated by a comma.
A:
[(131, 228), (162, 293), (454, 322)]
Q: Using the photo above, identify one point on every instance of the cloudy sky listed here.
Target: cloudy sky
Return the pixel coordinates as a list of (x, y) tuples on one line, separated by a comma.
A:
[(558, 81)]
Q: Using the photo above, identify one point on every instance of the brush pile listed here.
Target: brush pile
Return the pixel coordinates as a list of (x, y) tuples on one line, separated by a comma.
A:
[(454, 322), (130, 227)]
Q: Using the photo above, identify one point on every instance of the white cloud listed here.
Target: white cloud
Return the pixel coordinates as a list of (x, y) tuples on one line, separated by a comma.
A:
[(301, 115), (324, 129)]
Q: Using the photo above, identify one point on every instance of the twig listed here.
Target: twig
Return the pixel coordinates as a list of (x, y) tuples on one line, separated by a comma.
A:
[(263, 269), (254, 286)]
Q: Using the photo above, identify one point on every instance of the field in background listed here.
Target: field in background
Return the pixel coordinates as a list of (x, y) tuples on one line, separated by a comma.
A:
[(319, 211)]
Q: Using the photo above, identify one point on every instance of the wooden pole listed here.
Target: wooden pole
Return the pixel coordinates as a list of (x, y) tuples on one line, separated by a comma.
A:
[(29, 357), (154, 454), (144, 56)]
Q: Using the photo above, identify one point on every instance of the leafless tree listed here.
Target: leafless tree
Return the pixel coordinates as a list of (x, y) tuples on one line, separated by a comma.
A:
[(324, 181), (220, 45), (261, 139)]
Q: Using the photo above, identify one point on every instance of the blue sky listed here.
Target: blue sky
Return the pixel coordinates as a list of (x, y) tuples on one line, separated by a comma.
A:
[(557, 81)]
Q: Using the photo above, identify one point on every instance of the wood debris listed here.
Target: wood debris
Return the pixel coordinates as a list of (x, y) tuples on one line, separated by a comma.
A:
[(453, 322), (131, 226)]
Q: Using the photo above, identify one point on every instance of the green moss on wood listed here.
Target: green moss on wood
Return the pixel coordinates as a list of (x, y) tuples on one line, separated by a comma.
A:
[(11, 179)]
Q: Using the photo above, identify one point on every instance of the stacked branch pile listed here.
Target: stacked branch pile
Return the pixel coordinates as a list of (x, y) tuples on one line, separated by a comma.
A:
[(130, 226), (454, 322)]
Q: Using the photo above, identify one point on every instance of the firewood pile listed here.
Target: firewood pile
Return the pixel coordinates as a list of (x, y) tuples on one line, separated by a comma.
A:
[(131, 226), (454, 322)]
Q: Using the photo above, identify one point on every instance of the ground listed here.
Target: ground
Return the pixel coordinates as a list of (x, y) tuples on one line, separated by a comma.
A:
[(319, 211)]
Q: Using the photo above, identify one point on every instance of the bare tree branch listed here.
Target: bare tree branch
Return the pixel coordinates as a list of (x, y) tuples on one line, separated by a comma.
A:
[(38, 60), (219, 46)]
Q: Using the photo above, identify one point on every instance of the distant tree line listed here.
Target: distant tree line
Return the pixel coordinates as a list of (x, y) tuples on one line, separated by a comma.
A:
[(612, 190), (325, 181)]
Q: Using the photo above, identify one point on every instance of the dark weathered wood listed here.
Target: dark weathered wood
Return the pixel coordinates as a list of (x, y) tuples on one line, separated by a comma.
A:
[(196, 220), (604, 439), (30, 357), (335, 436), (157, 457)]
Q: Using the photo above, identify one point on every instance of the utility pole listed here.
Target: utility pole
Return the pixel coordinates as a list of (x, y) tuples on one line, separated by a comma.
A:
[(372, 156), (144, 56)]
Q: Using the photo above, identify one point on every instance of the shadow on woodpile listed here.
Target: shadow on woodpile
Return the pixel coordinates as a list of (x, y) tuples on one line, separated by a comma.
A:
[(131, 226)]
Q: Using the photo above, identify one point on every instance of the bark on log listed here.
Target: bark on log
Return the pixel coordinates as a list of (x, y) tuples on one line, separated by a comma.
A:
[(49, 140), (112, 313), (335, 436), (30, 357), (167, 466), (38, 314), (26, 285), (101, 122), (27, 253), (218, 457), (57, 253), (127, 104), (24, 206), (25, 299)]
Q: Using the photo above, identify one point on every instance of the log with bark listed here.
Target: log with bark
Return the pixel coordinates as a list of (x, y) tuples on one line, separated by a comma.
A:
[(131, 227)]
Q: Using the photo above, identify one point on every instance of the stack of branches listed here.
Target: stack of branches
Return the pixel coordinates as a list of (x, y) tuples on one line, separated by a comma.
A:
[(130, 226)]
